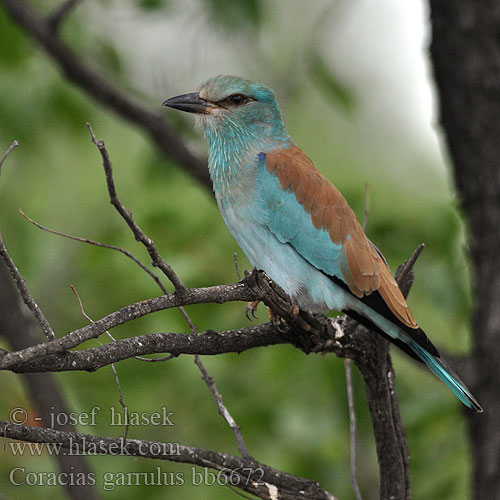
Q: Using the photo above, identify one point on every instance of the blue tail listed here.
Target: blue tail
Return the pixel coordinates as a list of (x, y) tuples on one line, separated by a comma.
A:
[(441, 369)]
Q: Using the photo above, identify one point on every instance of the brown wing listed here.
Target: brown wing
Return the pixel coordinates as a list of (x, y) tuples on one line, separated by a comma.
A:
[(364, 270)]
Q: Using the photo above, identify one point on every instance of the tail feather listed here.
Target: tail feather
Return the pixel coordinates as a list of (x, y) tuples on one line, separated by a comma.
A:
[(372, 312), (441, 369)]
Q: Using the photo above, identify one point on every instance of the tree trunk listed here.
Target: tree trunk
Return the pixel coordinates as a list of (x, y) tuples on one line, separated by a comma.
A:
[(465, 54)]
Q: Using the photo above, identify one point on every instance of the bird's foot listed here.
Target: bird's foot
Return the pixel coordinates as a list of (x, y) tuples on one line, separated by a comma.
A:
[(295, 310), (274, 318), (250, 309)]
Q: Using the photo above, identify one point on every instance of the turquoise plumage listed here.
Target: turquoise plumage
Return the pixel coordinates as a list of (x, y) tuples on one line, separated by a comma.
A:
[(294, 224)]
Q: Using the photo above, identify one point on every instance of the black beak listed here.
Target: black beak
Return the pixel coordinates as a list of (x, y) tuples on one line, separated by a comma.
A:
[(188, 102)]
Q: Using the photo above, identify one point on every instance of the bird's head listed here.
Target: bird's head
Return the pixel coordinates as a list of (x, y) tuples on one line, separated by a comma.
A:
[(229, 105)]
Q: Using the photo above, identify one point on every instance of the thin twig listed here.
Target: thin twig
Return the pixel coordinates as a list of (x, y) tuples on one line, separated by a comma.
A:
[(99, 244), (222, 409), (117, 379), (192, 327), (407, 269), (352, 428), (120, 400), (7, 153), (25, 294), (139, 234), (4, 434), (127, 254), (235, 258), (57, 17)]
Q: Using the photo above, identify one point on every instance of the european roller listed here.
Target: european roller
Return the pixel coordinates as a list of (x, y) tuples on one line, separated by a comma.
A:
[(294, 224)]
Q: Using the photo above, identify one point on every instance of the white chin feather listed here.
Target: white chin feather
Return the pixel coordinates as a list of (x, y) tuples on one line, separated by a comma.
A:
[(208, 121)]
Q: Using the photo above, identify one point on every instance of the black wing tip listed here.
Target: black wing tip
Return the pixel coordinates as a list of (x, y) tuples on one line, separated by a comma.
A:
[(375, 301), (474, 405)]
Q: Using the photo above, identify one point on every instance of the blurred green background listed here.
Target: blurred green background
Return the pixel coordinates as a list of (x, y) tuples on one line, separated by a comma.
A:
[(353, 87)]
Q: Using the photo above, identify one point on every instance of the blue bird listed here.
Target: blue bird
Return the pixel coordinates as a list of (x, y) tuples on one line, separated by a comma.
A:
[(294, 224)]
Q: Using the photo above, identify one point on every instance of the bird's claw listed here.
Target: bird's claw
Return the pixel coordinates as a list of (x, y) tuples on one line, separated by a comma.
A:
[(251, 308), (278, 322), (274, 318)]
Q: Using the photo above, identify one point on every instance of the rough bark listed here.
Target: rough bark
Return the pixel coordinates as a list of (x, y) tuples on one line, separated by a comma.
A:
[(465, 54)]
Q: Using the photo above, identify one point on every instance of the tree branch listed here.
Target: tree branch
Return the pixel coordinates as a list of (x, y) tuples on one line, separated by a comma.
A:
[(60, 13), (24, 292), (208, 343), (7, 153), (104, 92), (157, 260), (248, 475), (218, 294), (99, 244), (223, 411)]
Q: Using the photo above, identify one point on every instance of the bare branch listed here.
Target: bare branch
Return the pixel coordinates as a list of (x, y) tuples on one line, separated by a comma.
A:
[(99, 244), (149, 360), (139, 234), (127, 254), (404, 273), (206, 343), (236, 267), (25, 294), (60, 13), (248, 475), (309, 333), (223, 411), (344, 337), (169, 272), (7, 153), (101, 90), (219, 294)]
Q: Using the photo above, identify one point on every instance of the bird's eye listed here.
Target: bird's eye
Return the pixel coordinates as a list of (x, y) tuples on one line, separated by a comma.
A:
[(237, 99), (234, 100)]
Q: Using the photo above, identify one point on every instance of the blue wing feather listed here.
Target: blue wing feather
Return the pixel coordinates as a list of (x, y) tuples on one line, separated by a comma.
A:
[(290, 223)]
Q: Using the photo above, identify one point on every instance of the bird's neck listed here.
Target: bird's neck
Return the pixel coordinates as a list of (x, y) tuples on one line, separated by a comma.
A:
[(233, 152)]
